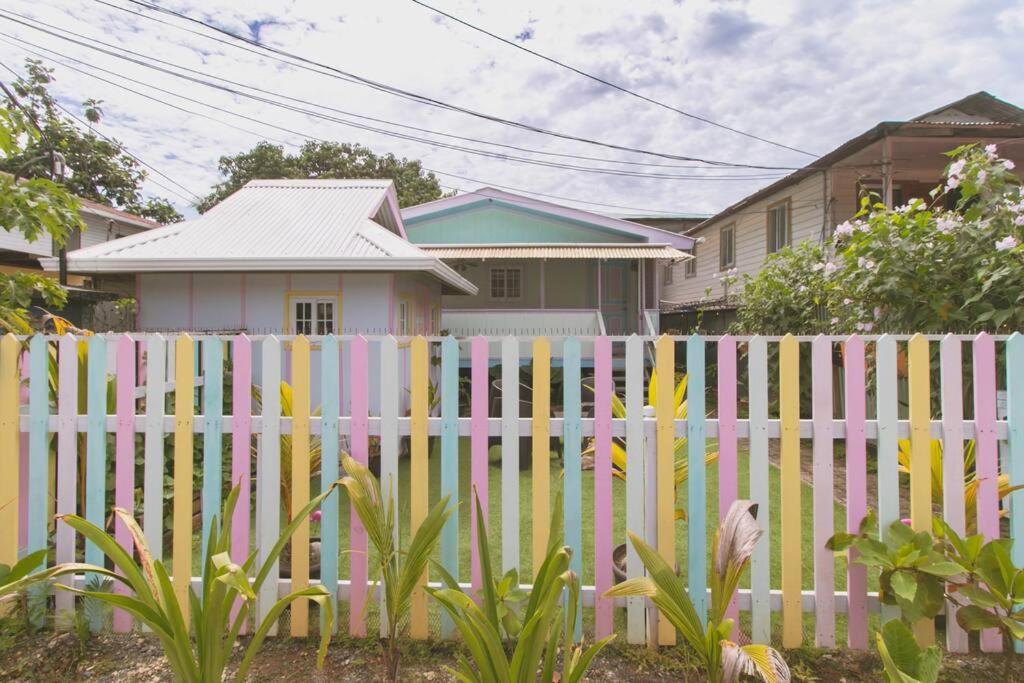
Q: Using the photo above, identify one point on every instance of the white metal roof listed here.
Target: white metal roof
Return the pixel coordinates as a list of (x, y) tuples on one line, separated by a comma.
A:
[(278, 225), (557, 251)]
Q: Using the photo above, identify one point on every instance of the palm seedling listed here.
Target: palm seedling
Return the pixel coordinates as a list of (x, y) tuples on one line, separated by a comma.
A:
[(724, 661), (547, 624), (400, 571), (200, 653)]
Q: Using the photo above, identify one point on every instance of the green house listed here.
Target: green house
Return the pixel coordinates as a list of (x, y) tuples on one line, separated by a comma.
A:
[(542, 268)]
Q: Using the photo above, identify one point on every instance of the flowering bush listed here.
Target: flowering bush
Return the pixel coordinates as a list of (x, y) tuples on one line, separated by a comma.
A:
[(918, 267)]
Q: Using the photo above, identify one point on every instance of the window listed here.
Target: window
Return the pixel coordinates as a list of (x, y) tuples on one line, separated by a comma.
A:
[(690, 265), (667, 275), (435, 320), (727, 247), (313, 315), (403, 319), (506, 284), (780, 232)]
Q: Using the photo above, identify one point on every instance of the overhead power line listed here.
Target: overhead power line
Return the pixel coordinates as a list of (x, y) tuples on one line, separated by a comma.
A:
[(335, 72), (610, 84), (145, 61), (306, 136), (194, 196)]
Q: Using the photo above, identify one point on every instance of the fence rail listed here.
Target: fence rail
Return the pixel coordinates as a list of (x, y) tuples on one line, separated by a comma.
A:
[(743, 394)]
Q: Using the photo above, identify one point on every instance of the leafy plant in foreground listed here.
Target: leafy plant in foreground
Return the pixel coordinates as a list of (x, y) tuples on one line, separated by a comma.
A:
[(399, 571), (904, 661), (547, 622), (203, 656), (722, 659)]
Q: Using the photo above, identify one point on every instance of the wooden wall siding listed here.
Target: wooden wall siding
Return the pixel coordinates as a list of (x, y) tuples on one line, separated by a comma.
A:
[(808, 215), (649, 496)]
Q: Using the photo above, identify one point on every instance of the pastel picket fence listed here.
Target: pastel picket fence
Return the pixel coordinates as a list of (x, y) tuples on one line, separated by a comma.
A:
[(125, 398)]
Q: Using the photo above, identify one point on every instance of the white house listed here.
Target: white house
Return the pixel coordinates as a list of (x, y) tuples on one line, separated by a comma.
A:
[(897, 160), (283, 256)]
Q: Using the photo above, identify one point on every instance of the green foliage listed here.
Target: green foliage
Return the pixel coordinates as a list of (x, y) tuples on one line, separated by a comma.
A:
[(324, 160), (993, 587), (35, 207), (400, 571), (101, 169), (919, 267), (546, 625), (722, 659), (913, 566), (904, 661), (204, 656), (790, 295)]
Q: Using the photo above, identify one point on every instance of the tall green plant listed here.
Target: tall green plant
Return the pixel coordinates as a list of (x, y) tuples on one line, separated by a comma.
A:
[(399, 571), (547, 626), (203, 655), (723, 660), (903, 660)]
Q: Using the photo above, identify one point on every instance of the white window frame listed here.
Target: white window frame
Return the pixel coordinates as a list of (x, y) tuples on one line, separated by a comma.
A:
[(668, 276), (690, 266), (771, 232), (403, 323), (502, 272), (315, 318), (723, 262)]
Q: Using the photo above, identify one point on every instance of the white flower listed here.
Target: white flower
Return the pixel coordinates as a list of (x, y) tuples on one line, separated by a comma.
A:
[(861, 226), (835, 321), (982, 176), (1019, 219), (956, 167), (831, 267), (733, 272), (865, 263), (1008, 242), (877, 312), (946, 224), (843, 229), (817, 266), (847, 302), (1009, 165), (868, 326), (990, 151), (952, 183)]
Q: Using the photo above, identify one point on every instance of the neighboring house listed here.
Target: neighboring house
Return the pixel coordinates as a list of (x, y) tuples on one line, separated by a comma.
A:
[(283, 256), (678, 223), (542, 268), (86, 295), (897, 160)]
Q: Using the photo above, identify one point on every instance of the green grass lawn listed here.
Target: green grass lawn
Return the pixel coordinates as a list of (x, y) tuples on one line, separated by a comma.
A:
[(618, 516)]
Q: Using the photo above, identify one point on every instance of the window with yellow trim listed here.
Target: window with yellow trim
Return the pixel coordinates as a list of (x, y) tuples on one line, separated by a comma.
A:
[(312, 315)]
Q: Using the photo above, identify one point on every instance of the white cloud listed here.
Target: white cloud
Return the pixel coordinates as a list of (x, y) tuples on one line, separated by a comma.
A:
[(809, 74)]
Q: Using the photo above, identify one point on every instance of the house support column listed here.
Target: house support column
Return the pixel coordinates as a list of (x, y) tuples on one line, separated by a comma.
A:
[(640, 296), (599, 285), (543, 283), (887, 171)]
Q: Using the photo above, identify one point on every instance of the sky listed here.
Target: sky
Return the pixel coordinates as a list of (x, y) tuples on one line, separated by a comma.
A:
[(806, 74)]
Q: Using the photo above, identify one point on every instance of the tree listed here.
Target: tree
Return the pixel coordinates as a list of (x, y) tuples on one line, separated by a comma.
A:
[(324, 160), (34, 207), (101, 168), (914, 268)]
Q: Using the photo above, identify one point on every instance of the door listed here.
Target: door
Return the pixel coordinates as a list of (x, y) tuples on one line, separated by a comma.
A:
[(615, 296)]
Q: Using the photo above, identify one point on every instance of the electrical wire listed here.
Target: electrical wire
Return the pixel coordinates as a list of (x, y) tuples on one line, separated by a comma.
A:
[(608, 83), (141, 60), (350, 77), (308, 137), (194, 196)]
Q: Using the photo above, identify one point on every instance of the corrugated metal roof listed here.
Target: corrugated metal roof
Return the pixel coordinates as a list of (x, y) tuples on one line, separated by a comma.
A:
[(654, 251), (278, 225)]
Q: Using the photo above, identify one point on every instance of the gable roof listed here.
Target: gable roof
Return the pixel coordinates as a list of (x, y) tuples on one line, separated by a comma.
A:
[(490, 195), (980, 109), (278, 225)]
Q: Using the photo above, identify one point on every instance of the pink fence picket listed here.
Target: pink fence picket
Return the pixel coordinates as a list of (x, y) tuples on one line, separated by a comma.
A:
[(603, 575), (856, 487), (359, 402)]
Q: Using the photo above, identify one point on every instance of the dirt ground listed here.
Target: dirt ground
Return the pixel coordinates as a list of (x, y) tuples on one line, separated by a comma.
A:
[(49, 656)]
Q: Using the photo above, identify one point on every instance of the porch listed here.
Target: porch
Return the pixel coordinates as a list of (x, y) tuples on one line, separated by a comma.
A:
[(556, 290)]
